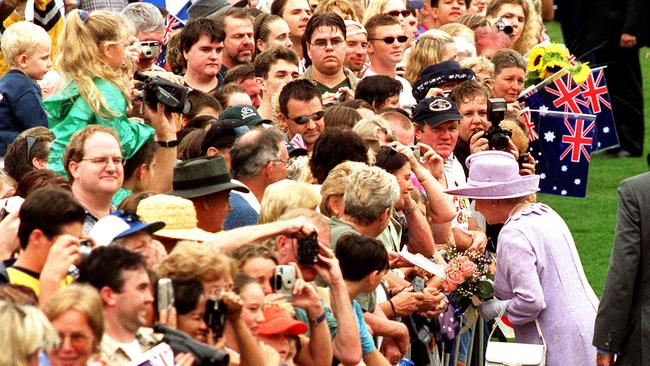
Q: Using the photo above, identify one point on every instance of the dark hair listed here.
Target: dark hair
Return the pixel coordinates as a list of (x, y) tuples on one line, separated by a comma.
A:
[(277, 7), (341, 117), (48, 210), (379, 20), (376, 89), (328, 19), (40, 178), (249, 155), (244, 72), (390, 160), (200, 100), (130, 203), (467, 91), (218, 135), (144, 155), (301, 90), (190, 145), (269, 57), (187, 293), (19, 155), (104, 267), (196, 123), (357, 104), (505, 58), (196, 28), (262, 27), (334, 146), (226, 91), (360, 255)]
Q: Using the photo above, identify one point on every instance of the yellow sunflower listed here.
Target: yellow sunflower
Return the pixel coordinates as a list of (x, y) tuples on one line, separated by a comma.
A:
[(552, 67), (581, 72), (536, 59)]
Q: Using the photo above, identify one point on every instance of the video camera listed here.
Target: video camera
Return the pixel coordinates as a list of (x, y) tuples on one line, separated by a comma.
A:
[(497, 137), (158, 90), (182, 343), (215, 317)]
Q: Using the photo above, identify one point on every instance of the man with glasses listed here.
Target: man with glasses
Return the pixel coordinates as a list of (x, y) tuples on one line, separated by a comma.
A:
[(386, 50), (93, 161), (326, 47), (257, 159), (356, 54), (301, 112)]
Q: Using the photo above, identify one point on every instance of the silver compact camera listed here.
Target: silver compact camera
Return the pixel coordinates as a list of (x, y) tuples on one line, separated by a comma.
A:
[(284, 280), (148, 49)]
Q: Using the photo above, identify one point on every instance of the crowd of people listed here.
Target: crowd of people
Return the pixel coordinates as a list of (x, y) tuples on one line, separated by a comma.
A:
[(251, 200)]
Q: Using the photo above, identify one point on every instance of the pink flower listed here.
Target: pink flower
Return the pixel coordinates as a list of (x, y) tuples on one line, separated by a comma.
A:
[(448, 285), (468, 269)]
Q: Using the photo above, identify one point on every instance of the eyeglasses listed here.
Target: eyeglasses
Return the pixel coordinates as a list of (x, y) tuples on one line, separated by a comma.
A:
[(104, 160), (31, 140), (390, 40), (283, 162), (388, 153), (322, 43), (397, 13), (301, 120)]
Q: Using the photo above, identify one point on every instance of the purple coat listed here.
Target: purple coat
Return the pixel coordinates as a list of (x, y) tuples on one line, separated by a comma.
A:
[(538, 267)]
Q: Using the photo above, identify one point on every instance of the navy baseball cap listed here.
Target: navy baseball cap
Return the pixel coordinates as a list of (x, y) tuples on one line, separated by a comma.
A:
[(436, 110)]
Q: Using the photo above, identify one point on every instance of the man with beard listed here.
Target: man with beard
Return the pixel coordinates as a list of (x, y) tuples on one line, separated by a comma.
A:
[(238, 44), (325, 35)]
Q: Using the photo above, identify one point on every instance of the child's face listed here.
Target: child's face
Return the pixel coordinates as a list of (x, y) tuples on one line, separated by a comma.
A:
[(37, 63)]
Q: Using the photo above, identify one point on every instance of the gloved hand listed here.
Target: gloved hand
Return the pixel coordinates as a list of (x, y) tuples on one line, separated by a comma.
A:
[(492, 308)]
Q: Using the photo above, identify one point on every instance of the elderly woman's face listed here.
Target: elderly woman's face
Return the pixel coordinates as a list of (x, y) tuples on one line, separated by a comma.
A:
[(77, 340), (489, 210)]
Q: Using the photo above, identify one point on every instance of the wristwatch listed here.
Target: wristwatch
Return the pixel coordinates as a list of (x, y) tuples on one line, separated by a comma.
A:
[(172, 143)]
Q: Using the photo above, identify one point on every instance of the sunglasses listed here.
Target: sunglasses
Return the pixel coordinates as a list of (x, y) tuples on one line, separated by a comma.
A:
[(397, 13), (301, 120), (390, 40)]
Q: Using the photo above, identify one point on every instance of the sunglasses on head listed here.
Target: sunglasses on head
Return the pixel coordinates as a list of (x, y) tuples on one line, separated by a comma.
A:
[(397, 13), (390, 40), (301, 120)]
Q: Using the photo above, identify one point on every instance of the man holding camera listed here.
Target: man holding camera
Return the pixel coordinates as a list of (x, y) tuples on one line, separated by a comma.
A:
[(437, 122), (149, 26)]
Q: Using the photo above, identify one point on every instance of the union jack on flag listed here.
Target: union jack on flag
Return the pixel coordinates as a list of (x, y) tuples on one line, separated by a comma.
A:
[(594, 91), (176, 19), (562, 150)]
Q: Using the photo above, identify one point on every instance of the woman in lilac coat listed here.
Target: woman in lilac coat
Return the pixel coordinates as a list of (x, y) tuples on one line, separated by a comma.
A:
[(539, 275)]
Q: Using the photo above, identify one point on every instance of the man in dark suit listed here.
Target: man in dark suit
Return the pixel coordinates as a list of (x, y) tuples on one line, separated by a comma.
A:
[(623, 321)]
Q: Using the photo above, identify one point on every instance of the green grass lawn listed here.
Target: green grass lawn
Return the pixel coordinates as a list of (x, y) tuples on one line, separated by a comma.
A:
[(592, 220)]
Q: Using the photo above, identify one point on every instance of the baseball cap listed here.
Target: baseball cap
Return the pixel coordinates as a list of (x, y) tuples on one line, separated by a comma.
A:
[(120, 224), (278, 321), (436, 110), (245, 113)]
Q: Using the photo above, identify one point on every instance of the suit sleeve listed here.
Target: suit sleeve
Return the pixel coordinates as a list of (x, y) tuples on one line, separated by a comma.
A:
[(615, 306)]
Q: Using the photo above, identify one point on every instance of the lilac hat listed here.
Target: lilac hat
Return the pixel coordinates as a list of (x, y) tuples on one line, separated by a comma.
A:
[(495, 175)]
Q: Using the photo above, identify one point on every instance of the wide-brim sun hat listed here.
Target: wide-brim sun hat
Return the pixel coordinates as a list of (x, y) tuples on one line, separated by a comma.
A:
[(495, 175), (203, 176), (177, 213)]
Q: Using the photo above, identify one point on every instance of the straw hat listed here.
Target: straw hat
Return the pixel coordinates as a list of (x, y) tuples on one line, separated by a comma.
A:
[(177, 213), (495, 175)]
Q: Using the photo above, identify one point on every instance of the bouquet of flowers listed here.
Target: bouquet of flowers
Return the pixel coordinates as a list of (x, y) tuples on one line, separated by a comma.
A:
[(544, 60), (467, 274)]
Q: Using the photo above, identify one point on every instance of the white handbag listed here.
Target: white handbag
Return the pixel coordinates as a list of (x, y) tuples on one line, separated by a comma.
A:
[(515, 354)]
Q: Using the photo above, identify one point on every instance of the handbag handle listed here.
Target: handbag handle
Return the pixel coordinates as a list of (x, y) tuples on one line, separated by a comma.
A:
[(498, 319)]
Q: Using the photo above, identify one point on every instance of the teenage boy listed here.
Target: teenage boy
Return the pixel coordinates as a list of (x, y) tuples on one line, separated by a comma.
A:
[(27, 48)]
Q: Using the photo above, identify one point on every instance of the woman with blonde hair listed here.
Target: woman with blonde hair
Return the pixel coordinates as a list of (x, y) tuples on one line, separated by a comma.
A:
[(27, 332), (432, 47), (77, 315), (285, 195), (331, 204), (92, 55)]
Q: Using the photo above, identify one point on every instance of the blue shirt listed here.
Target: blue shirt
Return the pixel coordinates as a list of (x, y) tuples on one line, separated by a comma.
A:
[(367, 343), (21, 107)]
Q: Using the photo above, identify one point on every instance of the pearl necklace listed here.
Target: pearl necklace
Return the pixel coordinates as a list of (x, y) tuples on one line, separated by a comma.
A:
[(517, 207)]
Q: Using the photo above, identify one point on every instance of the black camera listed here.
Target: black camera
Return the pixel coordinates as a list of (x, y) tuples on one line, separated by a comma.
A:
[(215, 316), (180, 342), (503, 25), (308, 249), (497, 137), (158, 90)]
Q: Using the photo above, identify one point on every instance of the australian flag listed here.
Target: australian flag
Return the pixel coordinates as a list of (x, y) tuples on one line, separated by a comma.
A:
[(561, 94), (561, 143), (176, 18)]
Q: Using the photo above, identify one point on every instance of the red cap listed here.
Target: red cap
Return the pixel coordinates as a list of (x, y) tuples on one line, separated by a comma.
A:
[(277, 321)]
